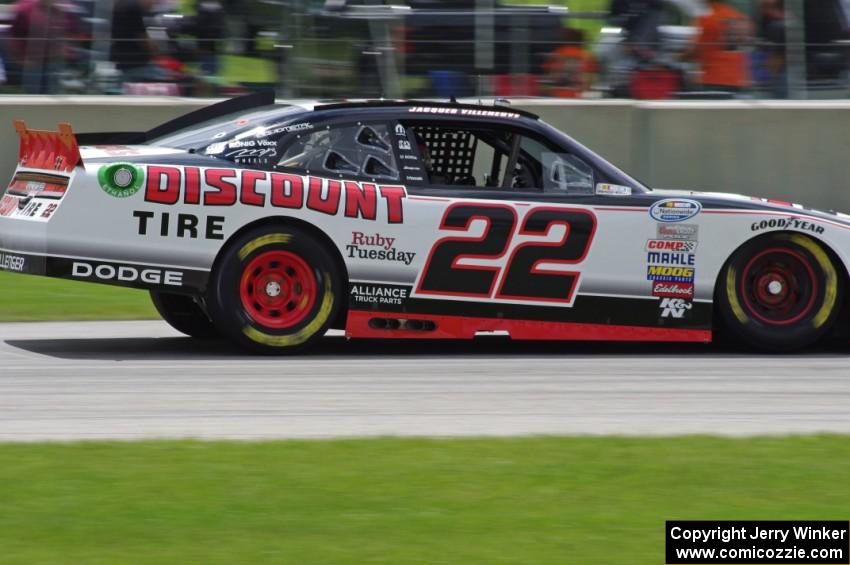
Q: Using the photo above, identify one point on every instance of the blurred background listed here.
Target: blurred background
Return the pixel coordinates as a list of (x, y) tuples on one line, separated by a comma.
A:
[(643, 49)]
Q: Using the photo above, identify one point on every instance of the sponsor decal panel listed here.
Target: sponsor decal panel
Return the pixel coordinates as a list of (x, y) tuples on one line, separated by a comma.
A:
[(667, 273), (463, 112), (127, 274), (675, 246), (674, 210), (33, 196), (167, 224), (790, 223), (613, 189), (376, 247), (670, 258), (673, 290), (675, 308), (120, 180), (370, 294), (688, 232), (170, 185), (10, 262)]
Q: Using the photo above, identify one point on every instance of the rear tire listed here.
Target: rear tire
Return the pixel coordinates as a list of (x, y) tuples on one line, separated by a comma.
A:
[(184, 314), (781, 292), (275, 290)]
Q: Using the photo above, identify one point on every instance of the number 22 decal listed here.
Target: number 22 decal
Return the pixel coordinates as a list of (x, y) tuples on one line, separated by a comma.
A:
[(523, 278)]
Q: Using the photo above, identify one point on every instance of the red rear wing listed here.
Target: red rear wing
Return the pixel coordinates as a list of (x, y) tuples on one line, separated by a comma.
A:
[(52, 150)]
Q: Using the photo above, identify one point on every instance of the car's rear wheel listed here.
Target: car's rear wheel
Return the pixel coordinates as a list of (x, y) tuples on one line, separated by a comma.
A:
[(780, 292), (275, 290), (184, 314)]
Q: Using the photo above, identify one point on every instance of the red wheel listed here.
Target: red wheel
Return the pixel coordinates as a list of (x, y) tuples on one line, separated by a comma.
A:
[(278, 289), (274, 290), (780, 292), (779, 286)]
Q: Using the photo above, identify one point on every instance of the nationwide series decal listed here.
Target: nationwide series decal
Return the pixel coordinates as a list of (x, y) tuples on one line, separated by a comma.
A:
[(376, 247), (787, 224), (227, 187), (674, 210)]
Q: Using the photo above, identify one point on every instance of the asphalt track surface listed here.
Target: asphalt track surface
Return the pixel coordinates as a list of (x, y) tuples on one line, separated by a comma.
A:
[(132, 380)]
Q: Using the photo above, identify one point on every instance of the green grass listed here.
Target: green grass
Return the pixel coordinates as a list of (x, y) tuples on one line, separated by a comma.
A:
[(30, 298), (537, 500)]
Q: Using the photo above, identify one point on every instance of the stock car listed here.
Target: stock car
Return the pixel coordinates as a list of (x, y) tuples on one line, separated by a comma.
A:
[(271, 223)]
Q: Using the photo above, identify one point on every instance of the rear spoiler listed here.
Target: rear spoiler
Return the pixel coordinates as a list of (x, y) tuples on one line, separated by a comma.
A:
[(229, 106), (52, 150)]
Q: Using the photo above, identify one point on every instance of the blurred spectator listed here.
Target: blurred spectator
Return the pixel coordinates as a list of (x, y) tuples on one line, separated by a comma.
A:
[(36, 47), (132, 49), (640, 20), (721, 48), (570, 68), (771, 53), (208, 28)]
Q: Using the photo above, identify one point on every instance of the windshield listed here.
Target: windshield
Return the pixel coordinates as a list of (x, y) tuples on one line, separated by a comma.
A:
[(200, 135), (615, 175)]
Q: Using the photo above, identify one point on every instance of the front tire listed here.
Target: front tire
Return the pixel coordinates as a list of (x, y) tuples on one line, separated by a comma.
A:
[(781, 292), (275, 290), (184, 314)]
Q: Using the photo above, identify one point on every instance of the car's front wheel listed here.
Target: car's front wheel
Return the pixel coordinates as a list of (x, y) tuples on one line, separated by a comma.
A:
[(275, 290), (184, 314), (780, 292)]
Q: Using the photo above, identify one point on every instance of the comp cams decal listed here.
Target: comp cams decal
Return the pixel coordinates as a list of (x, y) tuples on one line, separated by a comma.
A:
[(674, 210)]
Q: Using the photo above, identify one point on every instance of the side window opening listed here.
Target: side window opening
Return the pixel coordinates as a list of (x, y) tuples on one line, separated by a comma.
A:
[(488, 158), (358, 150)]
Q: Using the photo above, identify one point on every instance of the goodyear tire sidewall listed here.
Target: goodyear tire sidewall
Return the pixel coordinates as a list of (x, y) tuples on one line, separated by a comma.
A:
[(226, 306), (828, 301)]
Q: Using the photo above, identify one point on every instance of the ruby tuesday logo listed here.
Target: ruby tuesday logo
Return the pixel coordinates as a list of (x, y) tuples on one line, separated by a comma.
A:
[(376, 247)]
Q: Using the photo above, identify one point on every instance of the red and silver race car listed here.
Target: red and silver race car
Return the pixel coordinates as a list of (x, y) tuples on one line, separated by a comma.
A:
[(270, 223)]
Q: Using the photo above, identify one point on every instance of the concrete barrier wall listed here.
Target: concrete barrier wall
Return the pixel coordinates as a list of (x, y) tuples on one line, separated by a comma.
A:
[(797, 151)]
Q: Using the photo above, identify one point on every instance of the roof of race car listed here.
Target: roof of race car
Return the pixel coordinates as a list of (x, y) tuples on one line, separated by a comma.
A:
[(239, 116)]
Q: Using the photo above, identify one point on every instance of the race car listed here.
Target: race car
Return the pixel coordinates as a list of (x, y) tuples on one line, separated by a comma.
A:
[(271, 223)]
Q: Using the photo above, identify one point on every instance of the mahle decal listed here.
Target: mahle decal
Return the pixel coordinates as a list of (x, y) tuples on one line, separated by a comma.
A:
[(121, 179)]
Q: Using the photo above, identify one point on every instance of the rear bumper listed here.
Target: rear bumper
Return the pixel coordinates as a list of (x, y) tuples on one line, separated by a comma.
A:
[(25, 248)]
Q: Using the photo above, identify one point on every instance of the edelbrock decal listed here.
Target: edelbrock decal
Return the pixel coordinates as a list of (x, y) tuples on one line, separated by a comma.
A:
[(674, 210)]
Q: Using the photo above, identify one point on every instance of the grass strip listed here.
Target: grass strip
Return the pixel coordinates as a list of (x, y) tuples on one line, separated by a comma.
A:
[(524, 500), (27, 298)]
